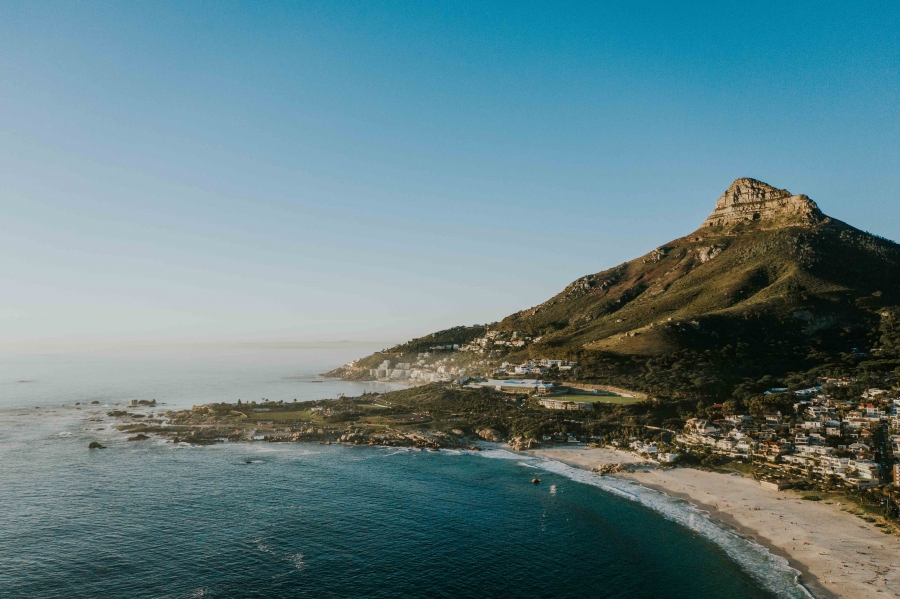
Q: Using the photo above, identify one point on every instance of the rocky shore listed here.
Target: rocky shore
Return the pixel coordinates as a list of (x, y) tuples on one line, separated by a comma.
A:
[(430, 417), (203, 425)]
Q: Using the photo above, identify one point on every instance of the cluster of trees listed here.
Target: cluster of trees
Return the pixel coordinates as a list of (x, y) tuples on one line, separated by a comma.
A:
[(453, 336)]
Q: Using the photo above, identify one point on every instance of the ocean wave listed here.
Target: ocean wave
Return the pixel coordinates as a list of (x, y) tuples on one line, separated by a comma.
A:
[(499, 454), (296, 455), (260, 449), (297, 560), (772, 572), (388, 451)]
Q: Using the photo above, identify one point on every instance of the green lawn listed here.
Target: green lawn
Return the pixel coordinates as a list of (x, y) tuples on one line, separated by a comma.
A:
[(613, 399), (287, 416)]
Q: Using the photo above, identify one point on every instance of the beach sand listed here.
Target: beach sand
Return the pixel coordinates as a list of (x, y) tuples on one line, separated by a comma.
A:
[(837, 553)]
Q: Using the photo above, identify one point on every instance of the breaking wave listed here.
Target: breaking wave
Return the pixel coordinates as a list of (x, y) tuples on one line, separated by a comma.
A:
[(770, 571)]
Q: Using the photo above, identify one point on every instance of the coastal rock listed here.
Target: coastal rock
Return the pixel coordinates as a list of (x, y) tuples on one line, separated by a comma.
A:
[(96, 445), (489, 434), (748, 200), (139, 437), (613, 468), (520, 443)]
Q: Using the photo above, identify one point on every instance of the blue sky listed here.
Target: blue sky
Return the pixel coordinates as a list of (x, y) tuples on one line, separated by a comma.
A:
[(211, 171)]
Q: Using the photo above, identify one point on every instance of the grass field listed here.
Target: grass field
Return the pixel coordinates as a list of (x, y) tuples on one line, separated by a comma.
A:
[(610, 399), (287, 416)]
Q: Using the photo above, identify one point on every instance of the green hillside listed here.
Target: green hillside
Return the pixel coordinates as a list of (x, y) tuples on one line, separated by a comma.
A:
[(767, 286)]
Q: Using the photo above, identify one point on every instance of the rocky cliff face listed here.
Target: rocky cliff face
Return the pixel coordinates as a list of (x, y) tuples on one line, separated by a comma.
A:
[(748, 200)]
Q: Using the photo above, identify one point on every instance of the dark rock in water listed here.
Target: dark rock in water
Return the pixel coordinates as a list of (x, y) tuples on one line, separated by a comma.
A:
[(95, 402), (139, 437), (535, 481), (96, 445)]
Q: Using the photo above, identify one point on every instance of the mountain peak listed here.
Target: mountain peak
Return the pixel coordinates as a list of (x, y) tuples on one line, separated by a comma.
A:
[(751, 200)]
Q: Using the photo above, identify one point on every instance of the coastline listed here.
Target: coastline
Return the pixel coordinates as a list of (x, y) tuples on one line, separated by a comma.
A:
[(837, 554)]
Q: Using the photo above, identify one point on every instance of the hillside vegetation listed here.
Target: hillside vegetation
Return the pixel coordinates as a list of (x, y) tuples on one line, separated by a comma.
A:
[(767, 286)]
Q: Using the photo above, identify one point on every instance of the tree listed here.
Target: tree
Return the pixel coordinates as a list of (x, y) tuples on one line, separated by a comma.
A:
[(760, 405), (731, 407)]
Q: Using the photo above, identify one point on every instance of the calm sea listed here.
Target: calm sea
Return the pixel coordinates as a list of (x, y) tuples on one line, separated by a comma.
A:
[(150, 519)]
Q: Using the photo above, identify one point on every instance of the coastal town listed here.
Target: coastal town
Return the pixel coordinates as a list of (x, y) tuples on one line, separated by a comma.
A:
[(820, 433), (459, 363), (810, 466), (851, 442)]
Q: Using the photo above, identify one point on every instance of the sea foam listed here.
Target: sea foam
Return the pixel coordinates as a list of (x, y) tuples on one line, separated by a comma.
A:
[(771, 572)]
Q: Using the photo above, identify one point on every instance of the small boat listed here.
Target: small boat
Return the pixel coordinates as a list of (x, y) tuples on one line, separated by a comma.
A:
[(535, 481)]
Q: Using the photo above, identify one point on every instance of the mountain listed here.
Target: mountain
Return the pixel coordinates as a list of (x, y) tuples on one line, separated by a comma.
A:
[(766, 286)]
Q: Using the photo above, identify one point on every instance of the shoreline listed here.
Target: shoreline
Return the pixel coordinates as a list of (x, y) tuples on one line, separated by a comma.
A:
[(807, 578), (832, 553), (837, 555)]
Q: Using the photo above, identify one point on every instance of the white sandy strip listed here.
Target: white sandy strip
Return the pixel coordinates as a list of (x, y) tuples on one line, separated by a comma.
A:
[(838, 554)]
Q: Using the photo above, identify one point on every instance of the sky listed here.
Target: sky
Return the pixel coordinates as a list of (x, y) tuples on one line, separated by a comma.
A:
[(183, 172)]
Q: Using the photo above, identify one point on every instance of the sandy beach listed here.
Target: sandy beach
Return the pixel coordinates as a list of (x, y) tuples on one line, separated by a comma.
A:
[(837, 553)]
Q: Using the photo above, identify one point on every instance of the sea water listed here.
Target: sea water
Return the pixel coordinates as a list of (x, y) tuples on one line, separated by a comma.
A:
[(154, 519)]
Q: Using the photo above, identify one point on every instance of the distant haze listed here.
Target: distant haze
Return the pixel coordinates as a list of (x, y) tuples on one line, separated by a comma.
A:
[(191, 173)]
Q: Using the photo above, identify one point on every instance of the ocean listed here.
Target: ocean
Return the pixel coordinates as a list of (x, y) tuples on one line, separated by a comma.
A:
[(152, 519)]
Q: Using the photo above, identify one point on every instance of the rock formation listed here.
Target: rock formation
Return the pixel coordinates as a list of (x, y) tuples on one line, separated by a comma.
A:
[(615, 468), (521, 443), (751, 200), (489, 434)]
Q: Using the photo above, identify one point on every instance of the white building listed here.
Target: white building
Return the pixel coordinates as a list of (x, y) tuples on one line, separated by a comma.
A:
[(520, 385), (556, 404)]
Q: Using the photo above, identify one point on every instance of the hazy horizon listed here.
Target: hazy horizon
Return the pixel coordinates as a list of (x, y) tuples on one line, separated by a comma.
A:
[(238, 173)]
